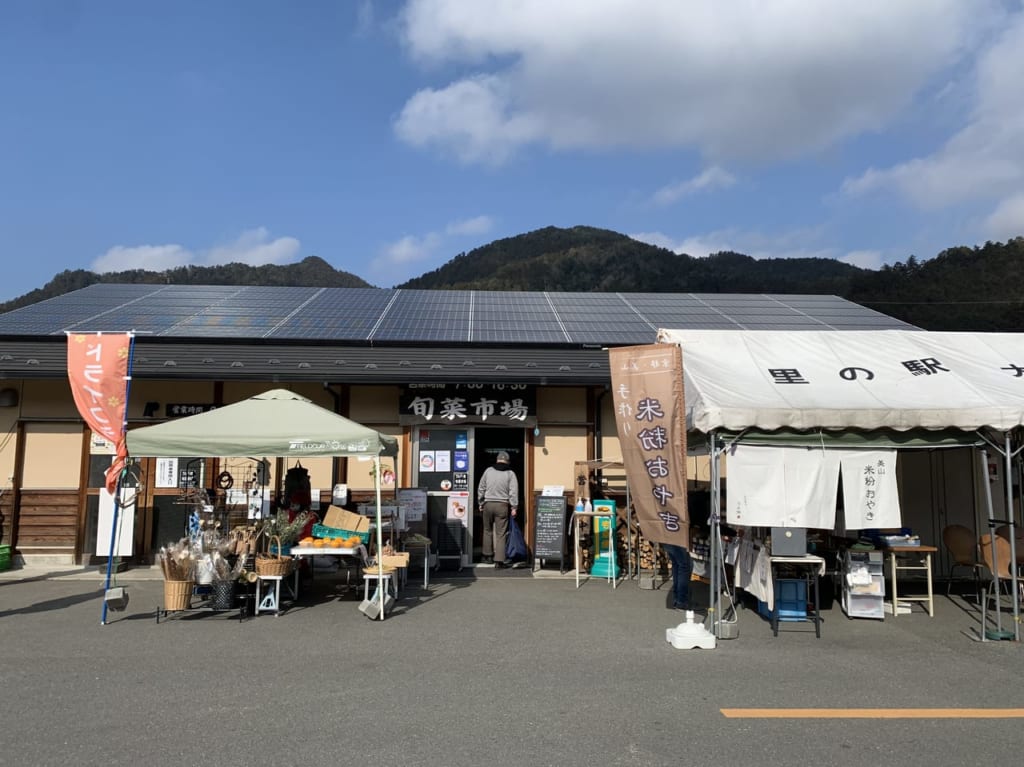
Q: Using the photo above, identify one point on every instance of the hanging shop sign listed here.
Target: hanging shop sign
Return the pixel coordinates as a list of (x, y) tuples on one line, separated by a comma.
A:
[(455, 404), (180, 410)]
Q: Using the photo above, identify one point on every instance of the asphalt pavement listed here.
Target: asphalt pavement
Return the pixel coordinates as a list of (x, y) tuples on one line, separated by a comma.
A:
[(480, 669)]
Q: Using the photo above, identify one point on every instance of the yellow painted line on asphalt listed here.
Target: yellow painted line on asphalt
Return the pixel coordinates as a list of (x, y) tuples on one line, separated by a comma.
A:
[(873, 713)]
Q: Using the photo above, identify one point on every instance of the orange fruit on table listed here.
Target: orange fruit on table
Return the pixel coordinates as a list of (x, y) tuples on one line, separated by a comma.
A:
[(319, 543)]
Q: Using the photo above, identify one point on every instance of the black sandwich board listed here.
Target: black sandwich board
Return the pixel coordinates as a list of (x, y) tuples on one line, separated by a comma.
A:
[(549, 529)]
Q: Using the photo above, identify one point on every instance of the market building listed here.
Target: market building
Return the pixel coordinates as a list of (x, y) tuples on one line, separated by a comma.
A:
[(455, 376)]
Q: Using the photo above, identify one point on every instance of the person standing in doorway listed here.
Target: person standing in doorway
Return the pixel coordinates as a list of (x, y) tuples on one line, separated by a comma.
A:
[(498, 498)]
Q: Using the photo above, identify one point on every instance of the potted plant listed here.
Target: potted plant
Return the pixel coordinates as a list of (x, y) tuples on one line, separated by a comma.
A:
[(287, 530)]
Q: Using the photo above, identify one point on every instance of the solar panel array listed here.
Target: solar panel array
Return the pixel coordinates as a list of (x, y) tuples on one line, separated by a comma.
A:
[(425, 316)]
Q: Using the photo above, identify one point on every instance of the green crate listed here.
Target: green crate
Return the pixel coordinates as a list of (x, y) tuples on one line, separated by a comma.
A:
[(5, 557), (321, 531)]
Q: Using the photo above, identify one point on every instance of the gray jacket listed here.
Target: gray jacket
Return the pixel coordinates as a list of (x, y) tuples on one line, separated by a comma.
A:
[(498, 485)]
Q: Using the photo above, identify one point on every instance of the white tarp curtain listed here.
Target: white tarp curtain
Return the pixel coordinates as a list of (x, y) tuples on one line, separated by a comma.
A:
[(782, 486), (883, 379), (797, 487)]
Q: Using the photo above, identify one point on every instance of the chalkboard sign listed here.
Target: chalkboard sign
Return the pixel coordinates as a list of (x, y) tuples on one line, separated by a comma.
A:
[(549, 529)]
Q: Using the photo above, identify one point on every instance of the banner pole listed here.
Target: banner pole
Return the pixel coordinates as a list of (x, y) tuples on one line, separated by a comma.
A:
[(120, 480)]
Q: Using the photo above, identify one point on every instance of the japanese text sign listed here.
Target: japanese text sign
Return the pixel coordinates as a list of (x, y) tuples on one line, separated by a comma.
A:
[(454, 404), (650, 414)]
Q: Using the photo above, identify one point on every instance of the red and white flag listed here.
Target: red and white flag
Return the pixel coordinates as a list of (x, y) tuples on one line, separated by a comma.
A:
[(650, 414), (98, 370)]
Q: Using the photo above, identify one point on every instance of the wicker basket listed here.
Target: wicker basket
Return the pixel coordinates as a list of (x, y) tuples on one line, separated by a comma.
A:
[(178, 595), (273, 564)]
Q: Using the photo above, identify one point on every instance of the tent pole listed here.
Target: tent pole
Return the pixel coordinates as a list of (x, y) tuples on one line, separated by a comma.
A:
[(995, 553), (120, 477), (715, 605), (382, 591), (113, 545), (1008, 476)]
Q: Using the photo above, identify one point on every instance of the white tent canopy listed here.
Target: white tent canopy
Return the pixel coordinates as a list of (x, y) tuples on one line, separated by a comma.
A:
[(885, 379)]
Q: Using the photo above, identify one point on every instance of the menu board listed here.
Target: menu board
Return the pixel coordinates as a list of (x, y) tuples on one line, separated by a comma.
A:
[(549, 529), (414, 501)]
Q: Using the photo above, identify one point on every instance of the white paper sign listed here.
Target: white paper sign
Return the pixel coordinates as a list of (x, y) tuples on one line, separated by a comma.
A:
[(166, 472), (459, 507), (442, 460), (414, 501)]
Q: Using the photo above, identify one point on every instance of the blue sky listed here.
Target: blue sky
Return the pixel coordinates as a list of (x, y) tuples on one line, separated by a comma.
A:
[(389, 136)]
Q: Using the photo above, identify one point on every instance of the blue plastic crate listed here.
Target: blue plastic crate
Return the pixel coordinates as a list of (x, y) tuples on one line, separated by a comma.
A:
[(790, 600)]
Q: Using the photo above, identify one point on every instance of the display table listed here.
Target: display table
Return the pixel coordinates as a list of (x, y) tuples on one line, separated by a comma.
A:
[(814, 567), (356, 552), (922, 563), (577, 517)]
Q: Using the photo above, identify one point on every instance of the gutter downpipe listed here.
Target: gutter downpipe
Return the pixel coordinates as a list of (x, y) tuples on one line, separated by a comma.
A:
[(335, 474)]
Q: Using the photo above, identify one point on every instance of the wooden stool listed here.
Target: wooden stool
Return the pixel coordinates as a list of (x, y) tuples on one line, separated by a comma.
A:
[(390, 580)]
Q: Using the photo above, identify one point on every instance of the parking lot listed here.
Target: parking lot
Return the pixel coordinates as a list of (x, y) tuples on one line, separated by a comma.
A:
[(484, 670)]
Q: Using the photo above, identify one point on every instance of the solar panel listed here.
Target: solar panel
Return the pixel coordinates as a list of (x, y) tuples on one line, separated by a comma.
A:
[(435, 316), (409, 316)]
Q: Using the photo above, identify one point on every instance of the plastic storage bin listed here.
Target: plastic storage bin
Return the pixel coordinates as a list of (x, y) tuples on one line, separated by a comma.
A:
[(790, 600)]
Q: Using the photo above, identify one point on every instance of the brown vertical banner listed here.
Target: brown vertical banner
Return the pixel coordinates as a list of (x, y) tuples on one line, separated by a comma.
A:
[(650, 414)]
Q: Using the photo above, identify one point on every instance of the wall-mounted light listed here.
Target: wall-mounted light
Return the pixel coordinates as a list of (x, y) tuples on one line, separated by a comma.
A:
[(8, 397)]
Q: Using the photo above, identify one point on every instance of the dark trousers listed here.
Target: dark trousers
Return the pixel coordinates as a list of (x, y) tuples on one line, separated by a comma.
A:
[(495, 539), (682, 569)]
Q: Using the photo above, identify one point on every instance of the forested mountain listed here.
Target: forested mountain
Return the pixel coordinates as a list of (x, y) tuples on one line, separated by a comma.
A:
[(588, 259), (962, 288), (312, 271)]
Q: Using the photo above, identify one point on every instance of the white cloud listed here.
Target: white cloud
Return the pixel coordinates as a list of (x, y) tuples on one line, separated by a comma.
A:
[(410, 249), (477, 225), (731, 79), (865, 259), (411, 255), (253, 247), (1006, 221), (471, 119), (364, 17), (984, 161), (698, 247), (153, 258), (796, 243), (712, 178)]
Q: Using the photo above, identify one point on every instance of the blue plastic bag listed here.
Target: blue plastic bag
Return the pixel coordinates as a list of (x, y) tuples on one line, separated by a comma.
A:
[(516, 546)]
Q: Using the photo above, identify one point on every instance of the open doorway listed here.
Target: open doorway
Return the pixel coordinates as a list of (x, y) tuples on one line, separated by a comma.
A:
[(487, 443)]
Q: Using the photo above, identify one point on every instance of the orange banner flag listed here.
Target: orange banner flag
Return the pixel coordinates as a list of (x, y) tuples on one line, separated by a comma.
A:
[(99, 375), (650, 415)]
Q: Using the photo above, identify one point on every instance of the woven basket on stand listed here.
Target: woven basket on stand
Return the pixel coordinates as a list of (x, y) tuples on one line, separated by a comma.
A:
[(273, 564), (178, 595)]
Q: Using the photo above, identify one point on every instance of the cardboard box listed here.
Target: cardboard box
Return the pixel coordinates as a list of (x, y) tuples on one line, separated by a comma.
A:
[(396, 560), (345, 520)]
